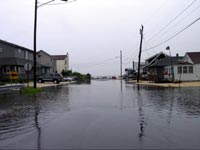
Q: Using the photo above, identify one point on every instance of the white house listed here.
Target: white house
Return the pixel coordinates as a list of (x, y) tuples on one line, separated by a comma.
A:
[(62, 62), (189, 68)]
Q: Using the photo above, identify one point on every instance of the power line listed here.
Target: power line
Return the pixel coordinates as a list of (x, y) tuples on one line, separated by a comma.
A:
[(148, 45), (172, 20), (175, 25), (176, 34), (156, 12), (62, 3)]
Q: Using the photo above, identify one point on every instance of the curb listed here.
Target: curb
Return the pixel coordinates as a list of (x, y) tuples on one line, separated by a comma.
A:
[(11, 86)]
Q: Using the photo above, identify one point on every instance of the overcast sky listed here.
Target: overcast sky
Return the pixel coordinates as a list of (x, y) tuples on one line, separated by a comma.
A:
[(94, 31)]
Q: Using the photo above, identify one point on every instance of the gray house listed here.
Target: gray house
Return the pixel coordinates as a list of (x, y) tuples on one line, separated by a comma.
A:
[(12, 59), (48, 64)]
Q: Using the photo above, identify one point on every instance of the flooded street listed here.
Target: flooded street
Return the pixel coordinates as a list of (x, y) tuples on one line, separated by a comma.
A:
[(101, 115)]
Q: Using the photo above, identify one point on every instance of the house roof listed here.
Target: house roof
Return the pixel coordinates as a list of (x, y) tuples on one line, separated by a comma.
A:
[(41, 51), (167, 61), (155, 56), (153, 59), (14, 45), (194, 56), (59, 57)]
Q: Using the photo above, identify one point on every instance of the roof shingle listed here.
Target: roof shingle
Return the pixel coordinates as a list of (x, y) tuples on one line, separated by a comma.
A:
[(195, 57)]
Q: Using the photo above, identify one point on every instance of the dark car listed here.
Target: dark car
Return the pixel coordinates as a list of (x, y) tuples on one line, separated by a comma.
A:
[(52, 77)]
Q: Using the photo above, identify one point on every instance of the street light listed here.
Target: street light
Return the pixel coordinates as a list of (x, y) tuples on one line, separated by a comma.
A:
[(35, 38), (168, 48)]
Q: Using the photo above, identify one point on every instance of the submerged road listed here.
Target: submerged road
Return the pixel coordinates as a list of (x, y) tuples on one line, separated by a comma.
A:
[(101, 115)]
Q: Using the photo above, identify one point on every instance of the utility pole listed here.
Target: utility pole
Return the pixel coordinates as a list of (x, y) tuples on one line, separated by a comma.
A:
[(121, 65), (140, 51), (35, 39), (35, 46)]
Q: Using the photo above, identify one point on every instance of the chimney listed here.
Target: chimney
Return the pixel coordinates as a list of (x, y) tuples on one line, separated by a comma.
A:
[(177, 55)]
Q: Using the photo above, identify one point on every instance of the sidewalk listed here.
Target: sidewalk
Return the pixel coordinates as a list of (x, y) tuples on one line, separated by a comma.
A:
[(46, 84), (39, 85), (11, 86), (183, 84)]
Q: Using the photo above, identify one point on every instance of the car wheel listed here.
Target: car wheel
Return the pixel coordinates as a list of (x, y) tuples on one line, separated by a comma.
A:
[(40, 81), (56, 81)]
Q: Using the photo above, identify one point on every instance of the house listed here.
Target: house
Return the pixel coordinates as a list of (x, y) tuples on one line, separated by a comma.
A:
[(162, 70), (13, 58), (153, 68), (47, 62), (153, 59), (61, 62), (130, 73), (189, 68), (168, 65)]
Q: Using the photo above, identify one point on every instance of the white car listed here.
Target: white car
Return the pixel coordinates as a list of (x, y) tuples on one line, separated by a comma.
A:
[(68, 79)]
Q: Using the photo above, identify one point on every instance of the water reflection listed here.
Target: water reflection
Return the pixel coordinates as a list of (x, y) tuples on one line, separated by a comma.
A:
[(186, 100), (108, 114), (141, 115), (171, 103), (20, 114), (37, 110)]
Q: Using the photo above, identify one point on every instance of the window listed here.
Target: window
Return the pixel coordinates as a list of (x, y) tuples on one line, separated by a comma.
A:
[(6, 70), (12, 68), (184, 69), (179, 69), (18, 69), (190, 69), (1, 49), (19, 50), (26, 54), (169, 70)]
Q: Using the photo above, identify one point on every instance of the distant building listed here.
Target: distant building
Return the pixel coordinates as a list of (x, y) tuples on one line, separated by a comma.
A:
[(61, 62), (135, 66)]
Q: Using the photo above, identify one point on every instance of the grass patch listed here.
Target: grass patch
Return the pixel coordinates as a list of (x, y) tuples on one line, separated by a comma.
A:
[(2, 83), (31, 90)]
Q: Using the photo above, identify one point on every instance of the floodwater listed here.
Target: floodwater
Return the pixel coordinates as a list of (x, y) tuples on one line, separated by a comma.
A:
[(101, 115)]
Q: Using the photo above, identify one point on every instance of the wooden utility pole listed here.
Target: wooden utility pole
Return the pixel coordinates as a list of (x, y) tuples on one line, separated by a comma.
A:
[(121, 65), (140, 51), (35, 46)]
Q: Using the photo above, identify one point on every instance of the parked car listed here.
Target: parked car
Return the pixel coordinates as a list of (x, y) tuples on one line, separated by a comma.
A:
[(114, 77), (68, 78), (52, 77)]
